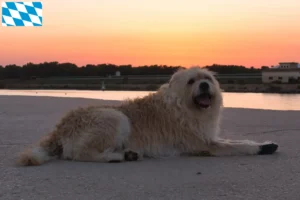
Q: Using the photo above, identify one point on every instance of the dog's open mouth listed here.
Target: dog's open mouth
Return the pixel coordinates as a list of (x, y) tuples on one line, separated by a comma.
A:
[(203, 100)]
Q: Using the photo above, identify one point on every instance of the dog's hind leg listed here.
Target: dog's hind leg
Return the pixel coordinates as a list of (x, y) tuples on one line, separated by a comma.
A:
[(222, 147), (109, 156)]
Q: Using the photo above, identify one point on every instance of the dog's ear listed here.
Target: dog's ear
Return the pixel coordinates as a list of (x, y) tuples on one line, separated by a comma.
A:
[(170, 81), (179, 70), (164, 86)]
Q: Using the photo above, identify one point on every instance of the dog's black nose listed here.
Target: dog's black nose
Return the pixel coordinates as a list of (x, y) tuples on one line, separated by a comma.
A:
[(204, 86)]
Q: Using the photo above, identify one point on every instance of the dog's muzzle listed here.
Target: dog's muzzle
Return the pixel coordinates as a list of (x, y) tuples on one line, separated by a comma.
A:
[(204, 98)]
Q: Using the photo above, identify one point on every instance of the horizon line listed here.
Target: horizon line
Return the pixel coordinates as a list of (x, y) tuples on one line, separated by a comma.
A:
[(201, 66)]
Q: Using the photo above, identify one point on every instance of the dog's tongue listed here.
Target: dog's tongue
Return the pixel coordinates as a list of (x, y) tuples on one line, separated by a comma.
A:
[(204, 101)]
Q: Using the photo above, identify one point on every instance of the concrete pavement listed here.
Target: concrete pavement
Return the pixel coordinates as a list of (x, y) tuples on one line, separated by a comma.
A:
[(24, 120)]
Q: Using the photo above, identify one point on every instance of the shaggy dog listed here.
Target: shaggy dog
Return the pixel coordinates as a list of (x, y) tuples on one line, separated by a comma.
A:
[(181, 118)]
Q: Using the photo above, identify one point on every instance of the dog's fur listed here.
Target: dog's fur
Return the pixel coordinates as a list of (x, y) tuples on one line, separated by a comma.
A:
[(166, 123)]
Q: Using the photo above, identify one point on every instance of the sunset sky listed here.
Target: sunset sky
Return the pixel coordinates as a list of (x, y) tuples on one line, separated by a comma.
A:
[(170, 32)]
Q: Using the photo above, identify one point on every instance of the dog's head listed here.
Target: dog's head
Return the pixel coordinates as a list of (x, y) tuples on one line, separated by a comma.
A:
[(197, 87)]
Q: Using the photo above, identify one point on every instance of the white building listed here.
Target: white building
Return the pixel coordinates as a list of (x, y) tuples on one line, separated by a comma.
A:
[(286, 72), (288, 65)]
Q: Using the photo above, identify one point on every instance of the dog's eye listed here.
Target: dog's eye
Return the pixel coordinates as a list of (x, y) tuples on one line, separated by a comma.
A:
[(191, 81)]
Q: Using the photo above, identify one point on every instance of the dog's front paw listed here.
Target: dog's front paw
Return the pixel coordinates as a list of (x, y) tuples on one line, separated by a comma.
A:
[(269, 148), (131, 156)]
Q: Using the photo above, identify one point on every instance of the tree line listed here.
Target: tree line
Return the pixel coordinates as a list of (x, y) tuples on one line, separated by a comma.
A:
[(55, 69)]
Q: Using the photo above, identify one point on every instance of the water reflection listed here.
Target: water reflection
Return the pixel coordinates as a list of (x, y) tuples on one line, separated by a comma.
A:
[(236, 100)]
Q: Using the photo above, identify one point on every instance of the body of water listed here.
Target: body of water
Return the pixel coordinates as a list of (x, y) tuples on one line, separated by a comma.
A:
[(235, 100)]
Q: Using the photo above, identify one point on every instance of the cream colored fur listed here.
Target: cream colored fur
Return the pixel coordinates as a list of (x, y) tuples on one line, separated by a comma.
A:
[(165, 123)]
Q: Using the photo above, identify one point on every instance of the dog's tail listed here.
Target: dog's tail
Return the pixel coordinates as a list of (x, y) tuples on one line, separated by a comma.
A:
[(47, 148)]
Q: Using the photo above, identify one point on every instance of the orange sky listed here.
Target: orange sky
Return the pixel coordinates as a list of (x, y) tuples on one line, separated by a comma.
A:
[(171, 32)]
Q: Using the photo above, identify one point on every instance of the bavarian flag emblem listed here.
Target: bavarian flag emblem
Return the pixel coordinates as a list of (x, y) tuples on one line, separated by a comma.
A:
[(22, 14)]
